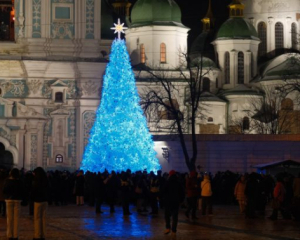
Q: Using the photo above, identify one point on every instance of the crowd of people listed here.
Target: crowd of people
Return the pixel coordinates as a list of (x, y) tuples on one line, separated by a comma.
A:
[(169, 191)]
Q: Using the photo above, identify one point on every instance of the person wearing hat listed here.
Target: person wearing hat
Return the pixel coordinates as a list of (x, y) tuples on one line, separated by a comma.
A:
[(173, 194)]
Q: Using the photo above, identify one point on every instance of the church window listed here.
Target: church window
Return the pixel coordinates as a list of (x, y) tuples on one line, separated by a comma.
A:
[(294, 36), (240, 67), (246, 123), (206, 85), (59, 158), (163, 58), (58, 97), (7, 20), (262, 34), (142, 53), (287, 104), (278, 35), (227, 68)]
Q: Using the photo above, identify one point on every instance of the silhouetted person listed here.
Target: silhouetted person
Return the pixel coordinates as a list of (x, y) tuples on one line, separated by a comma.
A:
[(112, 185), (39, 195), (192, 190), (79, 188), (173, 193), (2, 199), (13, 193)]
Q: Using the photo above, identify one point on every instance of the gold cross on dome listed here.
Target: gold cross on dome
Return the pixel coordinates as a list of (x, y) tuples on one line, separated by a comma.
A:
[(119, 28)]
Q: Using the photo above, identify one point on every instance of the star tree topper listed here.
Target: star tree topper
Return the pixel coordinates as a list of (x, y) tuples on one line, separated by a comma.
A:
[(119, 28)]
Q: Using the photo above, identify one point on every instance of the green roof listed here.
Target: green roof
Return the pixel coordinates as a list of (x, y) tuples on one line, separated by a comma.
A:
[(285, 66), (155, 12), (237, 28), (206, 62)]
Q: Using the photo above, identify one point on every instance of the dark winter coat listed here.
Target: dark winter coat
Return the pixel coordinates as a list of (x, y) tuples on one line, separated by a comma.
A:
[(13, 189), (39, 191), (192, 188), (79, 185), (173, 192)]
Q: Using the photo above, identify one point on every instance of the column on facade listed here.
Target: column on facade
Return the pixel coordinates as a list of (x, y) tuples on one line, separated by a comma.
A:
[(21, 19), (97, 20), (247, 66), (254, 64), (270, 35), (22, 149), (46, 19), (79, 23), (287, 33), (233, 67), (40, 141), (28, 14), (221, 58)]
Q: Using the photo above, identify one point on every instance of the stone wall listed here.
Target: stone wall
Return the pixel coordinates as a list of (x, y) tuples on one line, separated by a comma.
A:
[(237, 153)]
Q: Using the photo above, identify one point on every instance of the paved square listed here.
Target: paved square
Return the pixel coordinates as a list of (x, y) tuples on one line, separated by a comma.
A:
[(76, 223)]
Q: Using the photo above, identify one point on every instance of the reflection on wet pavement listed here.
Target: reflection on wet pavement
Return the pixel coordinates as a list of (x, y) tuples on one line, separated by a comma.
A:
[(76, 223)]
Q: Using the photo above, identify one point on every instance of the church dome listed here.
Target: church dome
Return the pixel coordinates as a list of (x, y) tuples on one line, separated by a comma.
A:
[(155, 12), (285, 66), (237, 28)]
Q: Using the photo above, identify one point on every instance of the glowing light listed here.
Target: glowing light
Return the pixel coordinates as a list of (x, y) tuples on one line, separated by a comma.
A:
[(119, 28), (119, 139)]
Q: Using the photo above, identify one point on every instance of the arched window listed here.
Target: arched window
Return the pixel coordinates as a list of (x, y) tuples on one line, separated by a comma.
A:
[(246, 123), (227, 68), (210, 120), (206, 85), (58, 97), (163, 58), (262, 34), (287, 104), (240, 67), (294, 36), (59, 158), (142, 53), (278, 35)]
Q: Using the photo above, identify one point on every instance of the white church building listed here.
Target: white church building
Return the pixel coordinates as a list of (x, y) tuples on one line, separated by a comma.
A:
[(53, 54)]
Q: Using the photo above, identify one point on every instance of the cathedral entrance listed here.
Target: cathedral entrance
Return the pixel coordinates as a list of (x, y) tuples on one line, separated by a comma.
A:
[(6, 158), (7, 20)]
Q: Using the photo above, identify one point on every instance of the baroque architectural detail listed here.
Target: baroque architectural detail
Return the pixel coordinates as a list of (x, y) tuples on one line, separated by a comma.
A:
[(72, 134), (33, 151), (34, 85), (62, 30), (90, 19), (36, 18), (11, 138), (90, 87), (88, 121), (16, 88), (47, 46), (77, 47)]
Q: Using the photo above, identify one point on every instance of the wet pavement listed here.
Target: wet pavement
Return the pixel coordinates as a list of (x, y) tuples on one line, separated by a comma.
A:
[(74, 223)]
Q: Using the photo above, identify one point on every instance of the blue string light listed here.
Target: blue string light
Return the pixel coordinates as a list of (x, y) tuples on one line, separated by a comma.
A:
[(119, 139)]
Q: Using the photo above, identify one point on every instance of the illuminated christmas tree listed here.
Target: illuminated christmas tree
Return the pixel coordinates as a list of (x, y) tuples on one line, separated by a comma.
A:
[(119, 139)]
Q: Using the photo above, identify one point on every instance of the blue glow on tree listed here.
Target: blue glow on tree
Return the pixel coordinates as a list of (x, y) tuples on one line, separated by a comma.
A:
[(119, 139)]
